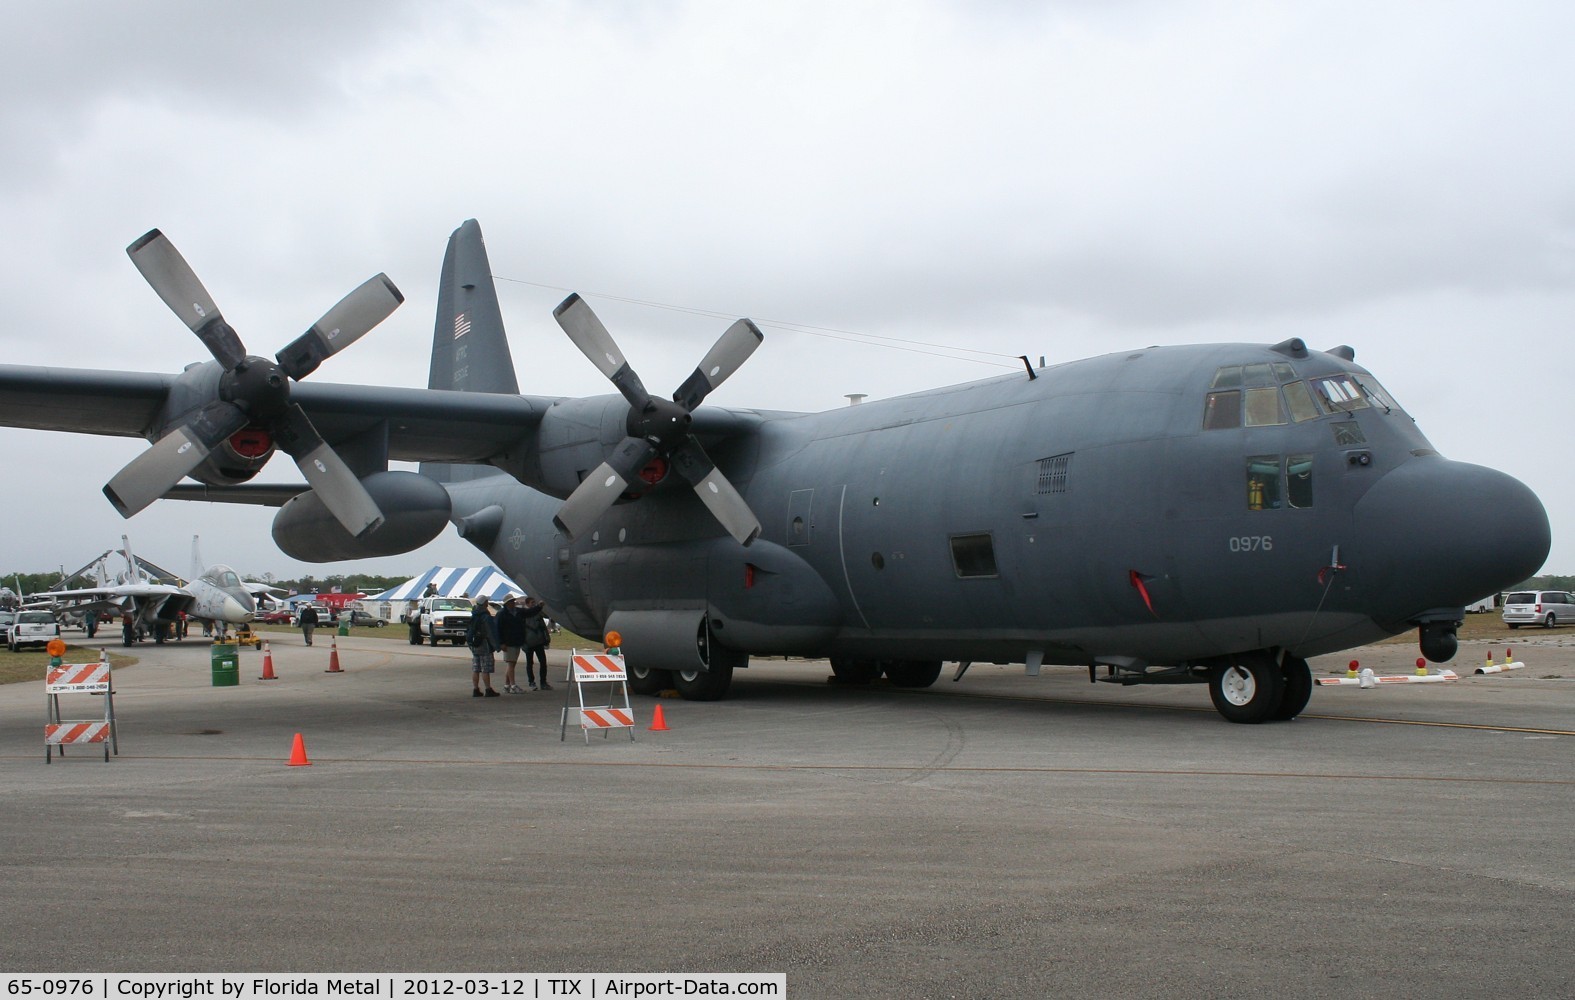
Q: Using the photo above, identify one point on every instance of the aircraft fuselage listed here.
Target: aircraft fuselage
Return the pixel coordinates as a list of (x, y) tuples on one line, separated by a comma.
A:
[(1160, 506)]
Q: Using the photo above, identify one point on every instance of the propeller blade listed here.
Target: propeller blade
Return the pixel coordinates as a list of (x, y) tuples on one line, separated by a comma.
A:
[(332, 480), (602, 488), (721, 499), (148, 476), (585, 329), (724, 358), (177, 284), (348, 321)]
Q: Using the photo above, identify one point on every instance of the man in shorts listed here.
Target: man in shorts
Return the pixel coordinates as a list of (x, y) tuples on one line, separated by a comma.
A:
[(482, 638)]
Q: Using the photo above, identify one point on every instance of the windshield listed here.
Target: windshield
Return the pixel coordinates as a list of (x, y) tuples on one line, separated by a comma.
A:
[(36, 617), (1521, 598), (451, 604)]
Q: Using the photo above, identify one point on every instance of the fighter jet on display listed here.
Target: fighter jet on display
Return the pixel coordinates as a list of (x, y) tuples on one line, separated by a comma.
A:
[(219, 595), (1214, 513), (215, 593), (152, 605)]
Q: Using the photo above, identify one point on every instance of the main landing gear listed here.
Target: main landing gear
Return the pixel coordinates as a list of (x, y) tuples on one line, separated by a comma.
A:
[(1260, 686), (901, 673)]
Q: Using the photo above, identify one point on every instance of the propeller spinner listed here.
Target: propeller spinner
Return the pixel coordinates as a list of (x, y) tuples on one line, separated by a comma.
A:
[(253, 391), (657, 428)]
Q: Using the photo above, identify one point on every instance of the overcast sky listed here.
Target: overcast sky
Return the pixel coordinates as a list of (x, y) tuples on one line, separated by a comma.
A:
[(1053, 179)]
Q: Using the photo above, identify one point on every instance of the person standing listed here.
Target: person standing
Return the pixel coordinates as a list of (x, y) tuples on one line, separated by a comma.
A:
[(482, 638), (308, 622), (413, 619), (536, 640), (511, 635)]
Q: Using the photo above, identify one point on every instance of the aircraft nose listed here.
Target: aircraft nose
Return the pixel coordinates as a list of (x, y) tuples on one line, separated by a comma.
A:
[(235, 611), (1440, 534)]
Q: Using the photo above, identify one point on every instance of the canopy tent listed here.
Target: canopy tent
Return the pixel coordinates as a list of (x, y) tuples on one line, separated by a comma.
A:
[(473, 581)]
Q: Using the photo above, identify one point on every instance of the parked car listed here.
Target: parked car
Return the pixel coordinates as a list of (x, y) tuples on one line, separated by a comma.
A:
[(1538, 607), (7, 619), (365, 619), (33, 628), (283, 616)]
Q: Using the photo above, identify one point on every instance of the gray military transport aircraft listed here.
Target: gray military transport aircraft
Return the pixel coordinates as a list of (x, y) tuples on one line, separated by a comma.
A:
[(1214, 513)]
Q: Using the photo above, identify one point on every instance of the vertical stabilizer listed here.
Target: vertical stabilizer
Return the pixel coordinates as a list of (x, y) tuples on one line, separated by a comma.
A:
[(470, 352)]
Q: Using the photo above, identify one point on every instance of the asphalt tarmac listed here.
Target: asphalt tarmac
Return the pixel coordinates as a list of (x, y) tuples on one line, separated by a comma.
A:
[(1002, 836)]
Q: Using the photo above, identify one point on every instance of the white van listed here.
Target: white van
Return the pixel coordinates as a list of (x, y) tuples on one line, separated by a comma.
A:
[(1538, 607)]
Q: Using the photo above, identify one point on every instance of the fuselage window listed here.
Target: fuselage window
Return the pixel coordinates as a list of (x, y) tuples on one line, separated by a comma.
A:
[(1300, 402), (974, 555), (1263, 482), (1222, 411), (1263, 407), (1298, 481)]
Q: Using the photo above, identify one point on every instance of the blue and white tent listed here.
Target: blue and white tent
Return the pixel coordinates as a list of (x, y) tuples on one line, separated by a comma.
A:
[(473, 581)]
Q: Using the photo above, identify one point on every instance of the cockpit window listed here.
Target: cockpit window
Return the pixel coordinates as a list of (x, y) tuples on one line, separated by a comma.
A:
[(1227, 378), (1300, 401), (1263, 407), (1249, 395), (1381, 398), (1339, 393), (1223, 410)]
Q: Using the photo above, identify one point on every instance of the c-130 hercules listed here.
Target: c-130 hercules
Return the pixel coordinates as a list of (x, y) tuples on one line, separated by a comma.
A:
[(1214, 513)]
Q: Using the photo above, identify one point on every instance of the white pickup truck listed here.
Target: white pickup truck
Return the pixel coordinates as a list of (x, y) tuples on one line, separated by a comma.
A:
[(445, 618)]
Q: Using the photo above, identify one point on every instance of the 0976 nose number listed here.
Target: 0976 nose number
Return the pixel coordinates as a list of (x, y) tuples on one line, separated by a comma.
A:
[(1251, 543)]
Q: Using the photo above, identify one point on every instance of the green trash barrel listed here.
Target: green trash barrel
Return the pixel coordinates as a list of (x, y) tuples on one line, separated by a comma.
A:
[(344, 623), (226, 664)]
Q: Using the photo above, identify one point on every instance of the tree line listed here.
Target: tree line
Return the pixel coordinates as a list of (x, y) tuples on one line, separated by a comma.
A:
[(33, 583)]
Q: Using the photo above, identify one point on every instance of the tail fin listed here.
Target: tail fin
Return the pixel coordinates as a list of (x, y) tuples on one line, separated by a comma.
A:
[(132, 575), (197, 567), (470, 351)]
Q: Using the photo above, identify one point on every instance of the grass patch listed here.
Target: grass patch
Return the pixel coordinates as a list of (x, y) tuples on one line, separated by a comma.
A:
[(32, 664)]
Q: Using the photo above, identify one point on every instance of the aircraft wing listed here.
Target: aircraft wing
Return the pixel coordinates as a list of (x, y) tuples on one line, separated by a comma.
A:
[(117, 593), (422, 425)]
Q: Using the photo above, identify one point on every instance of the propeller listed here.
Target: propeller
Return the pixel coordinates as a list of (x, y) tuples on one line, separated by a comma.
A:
[(657, 428), (253, 391)]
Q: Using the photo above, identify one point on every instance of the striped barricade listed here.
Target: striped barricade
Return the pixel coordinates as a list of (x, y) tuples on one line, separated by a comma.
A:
[(598, 672), (79, 678), (595, 667)]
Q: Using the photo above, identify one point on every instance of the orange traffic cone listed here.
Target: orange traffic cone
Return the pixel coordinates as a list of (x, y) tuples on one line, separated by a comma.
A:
[(333, 658), (298, 753), (267, 674), (658, 723)]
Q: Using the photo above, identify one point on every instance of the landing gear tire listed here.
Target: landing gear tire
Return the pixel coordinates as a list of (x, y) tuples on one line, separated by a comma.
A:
[(850, 671), (644, 680), (912, 673), (1297, 680), (704, 685), (1246, 688)]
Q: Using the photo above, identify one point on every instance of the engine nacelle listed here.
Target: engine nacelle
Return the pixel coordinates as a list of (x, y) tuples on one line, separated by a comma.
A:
[(415, 509), (237, 459)]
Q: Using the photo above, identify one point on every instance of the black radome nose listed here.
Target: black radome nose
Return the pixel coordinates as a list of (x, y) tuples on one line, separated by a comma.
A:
[(1440, 534)]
